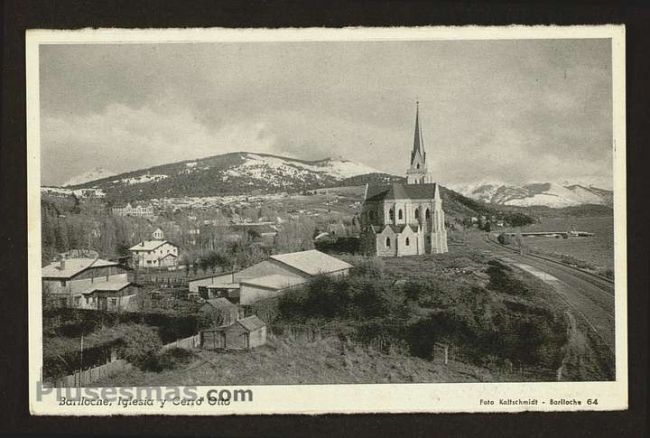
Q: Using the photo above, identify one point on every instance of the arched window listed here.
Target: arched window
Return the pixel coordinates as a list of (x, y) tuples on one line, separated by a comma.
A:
[(391, 214), (417, 213), (388, 242), (418, 166), (399, 214), (407, 241), (427, 214)]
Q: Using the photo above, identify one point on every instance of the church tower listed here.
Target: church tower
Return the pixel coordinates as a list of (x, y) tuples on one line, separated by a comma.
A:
[(418, 172)]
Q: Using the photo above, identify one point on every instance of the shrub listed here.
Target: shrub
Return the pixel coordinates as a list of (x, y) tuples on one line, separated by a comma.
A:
[(140, 344), (504, 239)]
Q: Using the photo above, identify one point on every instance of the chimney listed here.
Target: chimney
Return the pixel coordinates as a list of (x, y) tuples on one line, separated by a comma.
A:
[(62, 263)]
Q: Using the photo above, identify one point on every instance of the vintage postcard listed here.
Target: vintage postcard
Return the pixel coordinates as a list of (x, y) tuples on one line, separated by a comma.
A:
[(260, 221)]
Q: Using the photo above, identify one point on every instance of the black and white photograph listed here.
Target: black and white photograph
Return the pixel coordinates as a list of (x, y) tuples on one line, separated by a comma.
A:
[(358, 217)]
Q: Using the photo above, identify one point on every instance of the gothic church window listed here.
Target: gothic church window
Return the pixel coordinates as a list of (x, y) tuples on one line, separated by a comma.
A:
[(388, 242), (399, 214), (407, 241), (427, 214), (418, 166), (391, 214)]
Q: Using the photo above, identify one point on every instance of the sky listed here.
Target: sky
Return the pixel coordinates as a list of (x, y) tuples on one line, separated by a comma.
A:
[(509, 111)]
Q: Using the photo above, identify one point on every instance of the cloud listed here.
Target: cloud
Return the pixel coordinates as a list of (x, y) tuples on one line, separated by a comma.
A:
[(122, 138), (502, 110)]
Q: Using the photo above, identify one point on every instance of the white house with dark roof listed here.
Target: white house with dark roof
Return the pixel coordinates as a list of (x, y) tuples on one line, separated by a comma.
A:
[(405, 219), (270, 277), (157, 253), (88, 283)]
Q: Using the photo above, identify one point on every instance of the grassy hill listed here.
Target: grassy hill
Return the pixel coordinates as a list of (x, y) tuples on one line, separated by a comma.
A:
[(285, 361)]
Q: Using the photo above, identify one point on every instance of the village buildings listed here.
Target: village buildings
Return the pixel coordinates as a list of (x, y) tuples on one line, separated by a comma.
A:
[(405, 219), (81, 281), (139, 210), (269, 278), (156, 253)]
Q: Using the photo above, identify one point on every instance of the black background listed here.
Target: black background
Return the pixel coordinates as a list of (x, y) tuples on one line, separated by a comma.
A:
[(21, 15)]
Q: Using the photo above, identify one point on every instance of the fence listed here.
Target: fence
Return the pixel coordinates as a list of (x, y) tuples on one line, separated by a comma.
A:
[(188, 343), (82, 378)]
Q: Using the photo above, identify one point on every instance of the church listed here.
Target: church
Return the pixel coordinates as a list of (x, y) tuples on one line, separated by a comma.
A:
[(405, 219)]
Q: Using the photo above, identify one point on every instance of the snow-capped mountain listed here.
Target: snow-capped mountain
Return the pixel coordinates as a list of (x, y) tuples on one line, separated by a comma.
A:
[(90, 175), (234, 173), (537, 194)]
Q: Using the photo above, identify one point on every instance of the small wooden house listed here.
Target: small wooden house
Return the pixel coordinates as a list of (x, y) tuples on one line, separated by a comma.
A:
[(246, 333), (220, 311)]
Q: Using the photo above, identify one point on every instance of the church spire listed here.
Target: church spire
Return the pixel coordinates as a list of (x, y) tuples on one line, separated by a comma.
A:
[(417, 172), (418, 143)]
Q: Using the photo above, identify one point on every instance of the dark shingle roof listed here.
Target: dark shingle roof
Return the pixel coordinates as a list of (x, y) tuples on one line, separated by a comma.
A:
[(401, 191)]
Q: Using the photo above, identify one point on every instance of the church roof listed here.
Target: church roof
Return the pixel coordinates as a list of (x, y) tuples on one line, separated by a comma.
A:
[(401, 191)]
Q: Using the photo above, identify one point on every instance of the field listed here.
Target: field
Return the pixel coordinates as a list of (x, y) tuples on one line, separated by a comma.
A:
[(597, 250)]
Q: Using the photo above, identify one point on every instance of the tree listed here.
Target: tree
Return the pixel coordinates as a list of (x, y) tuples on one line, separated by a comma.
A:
[(140, 343)]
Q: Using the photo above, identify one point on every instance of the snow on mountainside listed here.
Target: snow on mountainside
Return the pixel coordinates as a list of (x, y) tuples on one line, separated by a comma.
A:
[(90, 175), (538, 194), (233, 173), (265, 166)]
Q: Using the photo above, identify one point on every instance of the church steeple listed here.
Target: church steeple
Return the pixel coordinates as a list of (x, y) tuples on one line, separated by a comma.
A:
[(418, 173), (418, 143)]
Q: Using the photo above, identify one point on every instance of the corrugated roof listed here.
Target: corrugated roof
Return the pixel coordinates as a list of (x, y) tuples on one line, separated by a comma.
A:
[(252, 323), (220, 303), (312, 262), (148, 245), (274, 281), (401, 191), (73, 267)]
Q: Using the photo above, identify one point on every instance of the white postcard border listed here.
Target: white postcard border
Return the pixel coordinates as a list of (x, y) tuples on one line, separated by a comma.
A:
[(343, 398)]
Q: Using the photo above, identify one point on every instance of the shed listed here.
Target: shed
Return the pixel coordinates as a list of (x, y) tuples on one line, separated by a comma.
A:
[(246, 333), (221, 311)]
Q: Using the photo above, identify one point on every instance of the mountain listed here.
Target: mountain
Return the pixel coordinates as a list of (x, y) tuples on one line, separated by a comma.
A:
[(90, 175), (538, 194), (233, 173)]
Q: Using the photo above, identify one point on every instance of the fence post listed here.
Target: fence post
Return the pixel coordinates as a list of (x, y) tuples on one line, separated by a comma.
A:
[(446, 354)]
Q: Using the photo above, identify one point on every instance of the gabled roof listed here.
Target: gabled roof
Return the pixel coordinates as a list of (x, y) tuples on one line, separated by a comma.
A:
[(149, 245), (220, 303), (402, 191), (274, 281), (251, 323), (312, 262), (396, 228), (107, 286), (73, 267)]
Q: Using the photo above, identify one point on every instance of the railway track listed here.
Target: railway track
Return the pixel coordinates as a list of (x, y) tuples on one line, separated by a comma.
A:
[(590, 297), (601, 282)]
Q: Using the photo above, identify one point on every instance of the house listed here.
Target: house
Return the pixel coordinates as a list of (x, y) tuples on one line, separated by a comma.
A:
[(157, 253), (246, 333), (221, 311), (269, 278), (158, 234), (87, 283)]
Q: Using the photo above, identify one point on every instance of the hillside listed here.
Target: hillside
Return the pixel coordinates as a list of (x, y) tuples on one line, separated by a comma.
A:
[(228, 174), (286, 361), (538, 194)]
